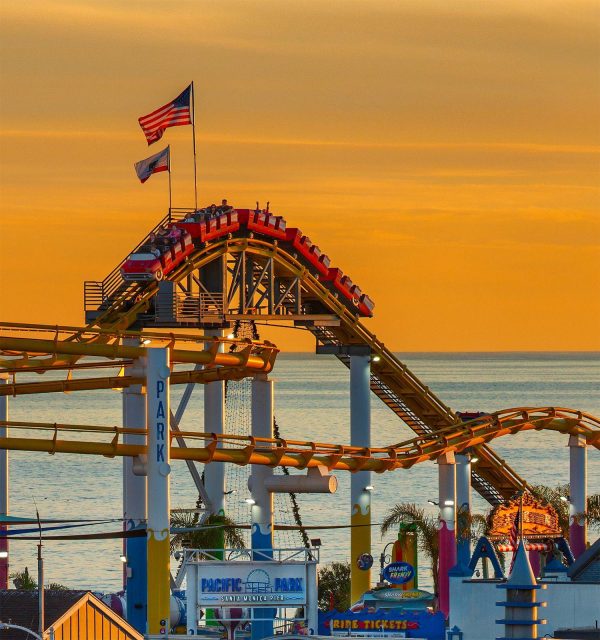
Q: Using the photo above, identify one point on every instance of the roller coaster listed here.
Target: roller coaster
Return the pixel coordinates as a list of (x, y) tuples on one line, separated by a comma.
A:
[(189, 280), (250, 265)]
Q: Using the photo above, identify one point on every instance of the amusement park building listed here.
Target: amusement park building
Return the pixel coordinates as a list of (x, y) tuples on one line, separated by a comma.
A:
[(69, 615)]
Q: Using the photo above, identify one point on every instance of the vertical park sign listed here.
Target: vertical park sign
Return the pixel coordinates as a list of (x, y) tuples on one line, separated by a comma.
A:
[(159, 469)]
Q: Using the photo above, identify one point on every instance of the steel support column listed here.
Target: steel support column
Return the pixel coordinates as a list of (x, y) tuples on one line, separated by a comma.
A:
[(262, 509), (578, 494), (214, 422), (159, 469), (134, 500), (4, 560), (360, 496), (463, 508), (447, 518)]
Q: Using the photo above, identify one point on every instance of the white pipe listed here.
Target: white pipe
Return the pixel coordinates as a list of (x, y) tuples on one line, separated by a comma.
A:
[(6, 625), (317, 480)]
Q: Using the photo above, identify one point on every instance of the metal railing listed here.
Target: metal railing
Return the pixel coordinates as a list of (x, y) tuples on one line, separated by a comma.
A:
[(290, 554), (183, 307), (95, 293)]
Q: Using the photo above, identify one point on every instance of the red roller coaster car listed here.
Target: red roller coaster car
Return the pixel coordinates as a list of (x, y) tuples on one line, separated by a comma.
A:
[(145, 265)]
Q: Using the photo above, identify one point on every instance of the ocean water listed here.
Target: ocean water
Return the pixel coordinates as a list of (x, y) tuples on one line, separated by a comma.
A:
[(311, 403)]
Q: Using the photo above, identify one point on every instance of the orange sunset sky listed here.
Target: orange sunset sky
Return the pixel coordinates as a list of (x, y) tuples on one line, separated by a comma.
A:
[(445, 155)]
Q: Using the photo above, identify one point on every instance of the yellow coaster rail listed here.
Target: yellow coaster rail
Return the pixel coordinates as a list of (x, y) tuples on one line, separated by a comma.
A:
[(74, 342), (300, 454)]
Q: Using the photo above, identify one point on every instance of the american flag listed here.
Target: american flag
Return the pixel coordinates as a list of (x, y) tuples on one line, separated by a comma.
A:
[(174, 114), (514, 538)]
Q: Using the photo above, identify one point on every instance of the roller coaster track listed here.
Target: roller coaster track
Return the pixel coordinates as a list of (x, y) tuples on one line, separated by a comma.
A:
[(391, 380), (244, 450), (20, 352)]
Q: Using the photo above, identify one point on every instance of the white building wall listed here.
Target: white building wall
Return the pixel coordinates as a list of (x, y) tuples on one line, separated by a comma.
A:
[(473, 607)]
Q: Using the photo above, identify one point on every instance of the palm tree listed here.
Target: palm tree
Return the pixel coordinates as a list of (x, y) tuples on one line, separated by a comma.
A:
[(427, 527), (476, 525), (23, 580), (558, 498), (216, 532)]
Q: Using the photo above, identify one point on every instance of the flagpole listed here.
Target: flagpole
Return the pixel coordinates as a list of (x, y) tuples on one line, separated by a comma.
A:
[(194, 144), (170, 189)]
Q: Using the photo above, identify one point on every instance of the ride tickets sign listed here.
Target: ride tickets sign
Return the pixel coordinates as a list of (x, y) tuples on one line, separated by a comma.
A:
[(255, 584), (399, 572), (384, 622)]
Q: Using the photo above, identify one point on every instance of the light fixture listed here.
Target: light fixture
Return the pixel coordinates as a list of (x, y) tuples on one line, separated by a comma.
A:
[(376, 358), (3, 554), (474, 459), (146, 341), (369, 487), (315, 542), (564, 498), (434, 503), (123, 558), (249, 500), (448, 503), (230, 336)]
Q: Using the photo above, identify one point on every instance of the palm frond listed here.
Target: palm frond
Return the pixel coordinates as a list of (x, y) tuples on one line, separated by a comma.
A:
[(427, 531), (217, 532), (593, 511), (479, 526)]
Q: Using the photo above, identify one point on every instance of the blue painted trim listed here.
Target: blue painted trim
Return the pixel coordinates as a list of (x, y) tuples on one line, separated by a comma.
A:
[(485, 549), (519, 587), (135, 586), (521, 605), (563, 546), (460, 570)]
